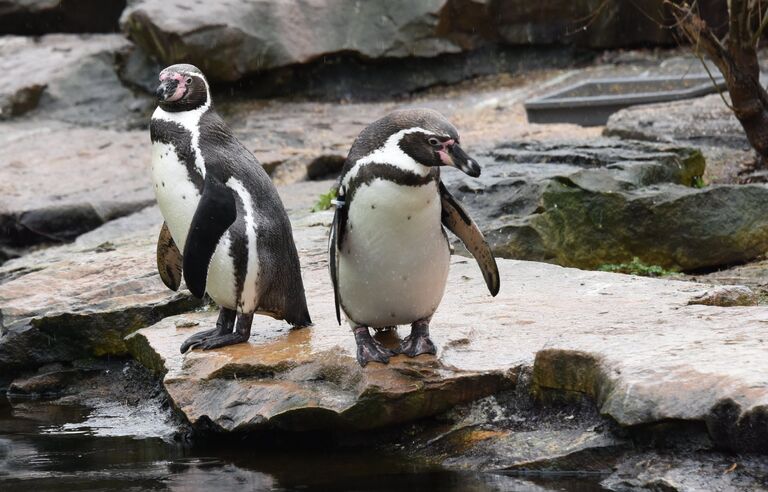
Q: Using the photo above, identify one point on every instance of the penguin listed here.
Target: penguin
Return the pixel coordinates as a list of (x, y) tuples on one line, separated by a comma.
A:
[(388, 249), (226, 232)]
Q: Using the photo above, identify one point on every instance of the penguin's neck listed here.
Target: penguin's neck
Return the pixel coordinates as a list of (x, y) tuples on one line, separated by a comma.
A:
[(189, 121), (391, 154)]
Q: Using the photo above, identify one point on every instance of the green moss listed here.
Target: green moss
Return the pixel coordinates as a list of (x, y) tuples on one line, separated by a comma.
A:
[(637, 267), (698, 182), (324, 201)]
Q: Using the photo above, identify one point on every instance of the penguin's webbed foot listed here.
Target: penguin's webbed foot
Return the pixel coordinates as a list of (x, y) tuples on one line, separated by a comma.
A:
[(224, 325), (368, 349), (223, 340), (418, 341), (222, 335), (196, 339)]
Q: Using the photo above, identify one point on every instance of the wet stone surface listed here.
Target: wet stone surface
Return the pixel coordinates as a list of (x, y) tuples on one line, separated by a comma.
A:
[(80, 300), (598, 334)]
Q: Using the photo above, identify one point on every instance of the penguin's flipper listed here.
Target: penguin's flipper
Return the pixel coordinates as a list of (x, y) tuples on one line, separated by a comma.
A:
[(334, 246), (215, 213), (168, 259), (460, 223)]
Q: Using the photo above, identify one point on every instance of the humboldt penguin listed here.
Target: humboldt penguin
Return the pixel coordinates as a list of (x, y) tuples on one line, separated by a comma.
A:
[(226, 231), (388, 251)]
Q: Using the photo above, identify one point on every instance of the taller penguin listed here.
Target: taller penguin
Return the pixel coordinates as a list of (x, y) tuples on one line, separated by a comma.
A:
[(222, 212), (389, 253)]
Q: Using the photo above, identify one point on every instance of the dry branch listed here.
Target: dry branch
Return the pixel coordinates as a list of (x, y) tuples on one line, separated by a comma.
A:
[(736, 58)]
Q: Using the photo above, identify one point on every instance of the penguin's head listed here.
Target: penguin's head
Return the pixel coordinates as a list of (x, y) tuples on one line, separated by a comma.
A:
[(428, 138), (182, 88)]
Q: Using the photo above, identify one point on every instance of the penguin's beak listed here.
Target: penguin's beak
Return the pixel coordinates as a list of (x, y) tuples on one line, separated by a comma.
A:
[(166, 89), (456, 157)]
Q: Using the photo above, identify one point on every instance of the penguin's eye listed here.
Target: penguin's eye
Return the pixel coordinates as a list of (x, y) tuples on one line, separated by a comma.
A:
[(189, 80), (433, 142)]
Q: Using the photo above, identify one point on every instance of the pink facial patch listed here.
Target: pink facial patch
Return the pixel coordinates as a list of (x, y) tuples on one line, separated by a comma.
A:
[(445, 158), (180, 88)]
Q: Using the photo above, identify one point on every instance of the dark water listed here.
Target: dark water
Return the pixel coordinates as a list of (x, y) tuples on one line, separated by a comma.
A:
[(42, 450)]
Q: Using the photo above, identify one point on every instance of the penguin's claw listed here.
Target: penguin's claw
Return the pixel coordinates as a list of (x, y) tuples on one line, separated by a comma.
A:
[(223, 326), (370, 350), (194, 340), (414, 345), (373, 352)]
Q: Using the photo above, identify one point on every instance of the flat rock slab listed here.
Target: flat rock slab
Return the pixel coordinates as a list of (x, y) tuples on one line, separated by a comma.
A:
[(60, 181), (704, 122), (80, 300), (542, 450), (298, 380), (703, 119), (634, 344)]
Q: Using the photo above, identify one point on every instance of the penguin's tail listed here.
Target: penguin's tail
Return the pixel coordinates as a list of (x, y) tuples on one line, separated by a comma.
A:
[(301, 320), (298, 314)]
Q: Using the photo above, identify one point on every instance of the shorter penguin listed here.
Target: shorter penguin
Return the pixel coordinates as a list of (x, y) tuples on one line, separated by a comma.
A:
[(389, 254), (223, 212)]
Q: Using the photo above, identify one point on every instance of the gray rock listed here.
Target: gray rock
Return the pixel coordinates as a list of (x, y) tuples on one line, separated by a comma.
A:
[(538, 450), (688, 472), (610, 201), (324, 49), (233, 39), (35, 17), (510, 432), (61, 181), (299, 380), (705, 123), (80, 300), (726, 296), (69, 78), (48, 382), (703, 120), (230, 39)]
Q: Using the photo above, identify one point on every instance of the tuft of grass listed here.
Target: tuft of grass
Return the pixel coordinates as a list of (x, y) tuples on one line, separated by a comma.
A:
[(698, 182), (637, 267), (324, 201)]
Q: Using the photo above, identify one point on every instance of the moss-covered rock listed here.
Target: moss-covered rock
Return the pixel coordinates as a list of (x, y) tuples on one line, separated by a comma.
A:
[(611, 201), (81, 300)]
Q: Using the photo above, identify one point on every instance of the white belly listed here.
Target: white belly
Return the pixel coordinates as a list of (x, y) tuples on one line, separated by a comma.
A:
[(394, 264), (177, 198)]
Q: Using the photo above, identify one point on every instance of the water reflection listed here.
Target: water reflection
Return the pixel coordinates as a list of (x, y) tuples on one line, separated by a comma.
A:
[(42, 450)]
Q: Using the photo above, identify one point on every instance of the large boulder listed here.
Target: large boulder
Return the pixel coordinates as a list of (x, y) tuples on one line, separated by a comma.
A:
[(228, 40), (80, 300), (233, 39), (35, 17), (68, 78), (610, 201)]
